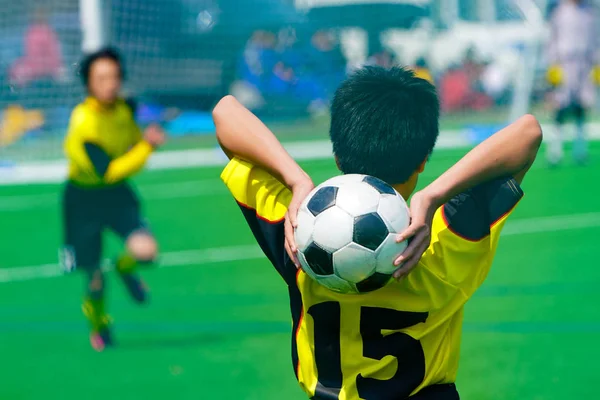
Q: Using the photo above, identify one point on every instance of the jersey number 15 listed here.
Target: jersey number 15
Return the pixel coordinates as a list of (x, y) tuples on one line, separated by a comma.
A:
[(407, 350)]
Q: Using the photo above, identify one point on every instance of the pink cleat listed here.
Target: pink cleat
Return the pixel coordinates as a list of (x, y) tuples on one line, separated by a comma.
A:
[(101, 340), (97, 342)]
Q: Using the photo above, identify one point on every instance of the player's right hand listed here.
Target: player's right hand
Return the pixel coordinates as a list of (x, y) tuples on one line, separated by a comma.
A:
[(418, 233), (154, 135), (554, 75), (300, 191)]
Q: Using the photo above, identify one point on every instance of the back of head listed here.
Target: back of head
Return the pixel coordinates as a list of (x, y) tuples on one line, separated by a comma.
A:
[(384, 123)]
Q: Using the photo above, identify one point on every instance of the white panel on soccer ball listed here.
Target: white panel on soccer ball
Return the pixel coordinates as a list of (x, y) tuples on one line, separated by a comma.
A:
[(333, 229), (357, 198), (343, 180), (387, 253), (394, 211), (337, 284), (303, 233), (354, 263)]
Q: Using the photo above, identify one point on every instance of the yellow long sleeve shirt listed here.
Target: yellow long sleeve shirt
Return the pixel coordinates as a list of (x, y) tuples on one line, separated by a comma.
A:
[(104, 145)]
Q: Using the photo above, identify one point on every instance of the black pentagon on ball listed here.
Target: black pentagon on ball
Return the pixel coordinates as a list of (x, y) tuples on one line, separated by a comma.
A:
[(322, 200), (369, 231), (374, 282), (319, 259), (379, 185)]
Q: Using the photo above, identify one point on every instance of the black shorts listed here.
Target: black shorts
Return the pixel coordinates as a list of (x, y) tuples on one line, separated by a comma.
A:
[(574, 110), (87, 212)]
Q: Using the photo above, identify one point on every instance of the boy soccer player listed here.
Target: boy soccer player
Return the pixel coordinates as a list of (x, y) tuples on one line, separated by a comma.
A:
[(104, 146), (573, 51), (401, 341)]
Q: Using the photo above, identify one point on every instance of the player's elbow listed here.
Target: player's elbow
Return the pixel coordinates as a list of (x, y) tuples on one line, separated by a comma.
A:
[(223, 114), (224, 107), (532, 134)]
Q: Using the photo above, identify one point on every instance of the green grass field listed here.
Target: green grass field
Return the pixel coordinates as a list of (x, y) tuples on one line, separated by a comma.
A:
[(218, 323)]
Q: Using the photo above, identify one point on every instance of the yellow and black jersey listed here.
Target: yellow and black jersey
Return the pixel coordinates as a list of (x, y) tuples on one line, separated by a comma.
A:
[(104, 145), (394, 342)]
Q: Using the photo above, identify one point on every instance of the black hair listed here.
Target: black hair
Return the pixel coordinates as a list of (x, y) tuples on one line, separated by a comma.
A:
[(104, 53), (384, 123)]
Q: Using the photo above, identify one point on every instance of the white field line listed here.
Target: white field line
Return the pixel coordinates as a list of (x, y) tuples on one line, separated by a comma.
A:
[(170, 259), (251, 252), (153, 191), (56, 171)]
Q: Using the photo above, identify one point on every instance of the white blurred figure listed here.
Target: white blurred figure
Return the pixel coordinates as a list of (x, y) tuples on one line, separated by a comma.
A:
[(495, 81), (572, 53)]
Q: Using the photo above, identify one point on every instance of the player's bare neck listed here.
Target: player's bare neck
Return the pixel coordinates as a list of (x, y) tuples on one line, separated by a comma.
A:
[(405, 189)]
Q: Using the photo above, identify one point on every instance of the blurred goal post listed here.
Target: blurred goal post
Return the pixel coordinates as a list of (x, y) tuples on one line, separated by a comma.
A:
[(533, 13), (93, 25)]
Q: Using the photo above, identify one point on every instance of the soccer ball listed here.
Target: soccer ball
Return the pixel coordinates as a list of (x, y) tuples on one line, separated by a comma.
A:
[(346, 234)]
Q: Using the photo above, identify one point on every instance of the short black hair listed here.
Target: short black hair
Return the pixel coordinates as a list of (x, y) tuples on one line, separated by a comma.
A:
[(384, 123), (104, 53)]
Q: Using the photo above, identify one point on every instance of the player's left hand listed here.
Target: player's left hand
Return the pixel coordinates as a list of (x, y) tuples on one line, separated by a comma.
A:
[(155, 135), (299, 192), (418, 233)]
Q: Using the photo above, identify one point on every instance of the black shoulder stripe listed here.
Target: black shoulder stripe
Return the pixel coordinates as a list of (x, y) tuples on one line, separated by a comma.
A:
[(132, 104), (271, 239), (98, 157), (472, 213), (465, 217), (502, 198)]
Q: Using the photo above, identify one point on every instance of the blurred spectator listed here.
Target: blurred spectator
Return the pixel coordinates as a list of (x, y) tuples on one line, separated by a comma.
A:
[(291, 49), (454, 89), (325, 62), (472, 66), (461, 87), (282, 69), (457, 94), (496, 82), (259, 59), (282, 80), (42, 53)]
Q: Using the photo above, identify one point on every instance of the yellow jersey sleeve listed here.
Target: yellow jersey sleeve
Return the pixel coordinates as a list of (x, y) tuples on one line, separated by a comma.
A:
[(465, 233), (128, 164), (263, 201)]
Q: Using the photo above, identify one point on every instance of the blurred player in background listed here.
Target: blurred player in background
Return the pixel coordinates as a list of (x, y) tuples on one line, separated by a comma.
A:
[(105, 146), (573, 54)]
